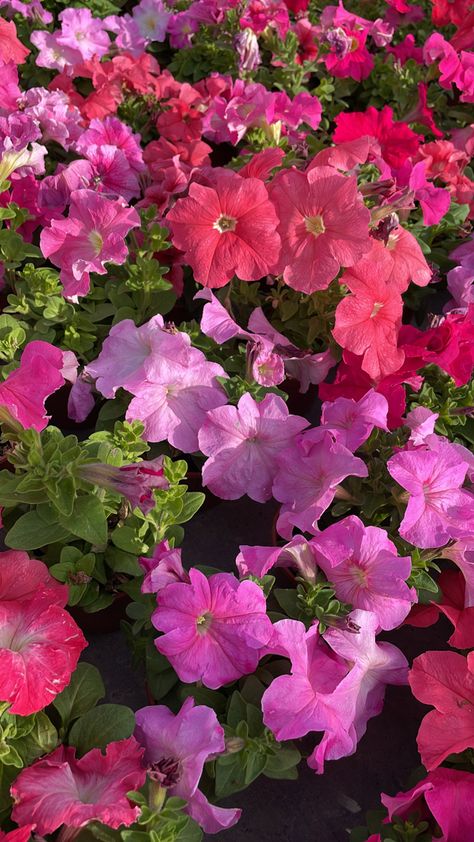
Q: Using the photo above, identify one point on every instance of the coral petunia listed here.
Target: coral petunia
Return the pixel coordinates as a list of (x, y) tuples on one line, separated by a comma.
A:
[(323, 225), (227, 228)]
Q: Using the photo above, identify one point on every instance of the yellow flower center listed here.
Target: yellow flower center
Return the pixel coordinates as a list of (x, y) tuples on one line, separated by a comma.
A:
[(96, 241), (225, 223), (315, 225)]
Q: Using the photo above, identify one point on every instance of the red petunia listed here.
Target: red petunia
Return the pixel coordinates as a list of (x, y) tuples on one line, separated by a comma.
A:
[(397, 141)]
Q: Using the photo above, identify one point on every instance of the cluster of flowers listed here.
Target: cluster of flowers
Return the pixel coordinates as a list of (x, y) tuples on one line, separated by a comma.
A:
[(202, 206)]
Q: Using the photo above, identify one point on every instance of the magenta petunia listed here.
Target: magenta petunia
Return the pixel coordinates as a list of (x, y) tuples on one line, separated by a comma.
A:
[(365, 570), (323, 225), (243, 444), (176, 749), (165, 566), (226, 228), (214, 629), (93, 234), (397, 141), (61, 789)]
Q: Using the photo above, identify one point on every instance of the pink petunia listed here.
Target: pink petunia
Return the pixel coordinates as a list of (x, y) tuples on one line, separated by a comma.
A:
[(19, 834), (335, 688), (397, 141), (368, 320), (82, 32), (447, 793), (174, 397), (349, 56), (165, 566), (365, 570), (307, 479), (93, 234), (323, 226), (243, 444), (61, 789), (360, 694), (353, 421), (135, 482), (176, 749), (438, 508), (22, 578), (24, 390), (106, 170), (112, 132), (39, 648), (214, 628), (227, 228), (121, 362), (445, 681)]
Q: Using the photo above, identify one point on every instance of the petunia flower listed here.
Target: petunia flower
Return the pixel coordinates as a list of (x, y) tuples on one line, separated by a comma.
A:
[(323, 225), (243, 444), (445, 794), (438, 508), (25, 389), (307, 479), (93, 234), (397, 141), (174, 397), (335, 688), (135, 481), (11, 48), (19, 834), (39, 648), (176, 749), (214, 629), (353, 421), (227, 228), (368, 320), (365, 570), (446, 681), (165, 566), (61, 789), (82, 32), (22, 578)]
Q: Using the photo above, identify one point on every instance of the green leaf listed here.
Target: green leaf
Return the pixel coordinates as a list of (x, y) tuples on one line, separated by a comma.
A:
[(192, 502), (30, 532), (83, 692), (100, 726), (88, 520)]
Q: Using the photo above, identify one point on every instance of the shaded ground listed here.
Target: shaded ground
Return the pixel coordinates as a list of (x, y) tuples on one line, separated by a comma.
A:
[(314, 808)]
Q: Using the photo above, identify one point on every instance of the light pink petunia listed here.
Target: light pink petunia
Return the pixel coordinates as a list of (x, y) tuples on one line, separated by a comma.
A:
[(227, 228), (174, 397), (61, 790), (39, 648), (243, 444), (368, 320), (214, 628), (120, 363), (83, 32), (444, 680), (363, 566), (438, 508), (93, 234), (24, 390), (307, 478), (448, 796), (176, 749), (353, 421), (323, 226), (421, 422), (112, 132)]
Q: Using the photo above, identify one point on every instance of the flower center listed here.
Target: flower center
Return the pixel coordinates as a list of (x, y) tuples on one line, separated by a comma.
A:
[(315, 225), (354, 45), (377, 307), (96, 241), (225, 223), (203, 623), (166, 771)]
